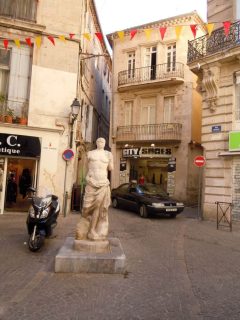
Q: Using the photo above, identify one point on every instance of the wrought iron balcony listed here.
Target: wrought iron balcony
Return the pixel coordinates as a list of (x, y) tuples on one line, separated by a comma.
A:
[(169, 132), (13, 111), (218, 41), (160, 72)]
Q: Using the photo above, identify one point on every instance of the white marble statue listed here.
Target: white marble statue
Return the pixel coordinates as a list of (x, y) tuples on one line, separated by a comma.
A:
[(97, 196)]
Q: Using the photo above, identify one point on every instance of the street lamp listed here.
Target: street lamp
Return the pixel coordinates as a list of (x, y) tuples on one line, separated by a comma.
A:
[(75, 108)]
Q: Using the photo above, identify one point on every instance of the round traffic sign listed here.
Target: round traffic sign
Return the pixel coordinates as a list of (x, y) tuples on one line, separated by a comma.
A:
[(199, 161), (68, 154)]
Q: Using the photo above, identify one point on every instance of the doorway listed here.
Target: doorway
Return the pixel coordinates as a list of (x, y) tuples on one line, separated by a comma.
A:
[(20, 174)]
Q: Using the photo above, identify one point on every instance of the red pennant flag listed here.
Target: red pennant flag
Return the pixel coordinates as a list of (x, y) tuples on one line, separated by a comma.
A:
[(99, 36), (133, 33), (162, 31), (50, 38), (194, 29), (71, 35), (5, 42), (29, 41), (226, 25)]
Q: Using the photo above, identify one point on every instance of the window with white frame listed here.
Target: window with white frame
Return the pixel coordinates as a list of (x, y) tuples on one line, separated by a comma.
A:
[(131, 64), (171, 57), (128, 107), (15, 71), (19, 9), (168, 107), (148, 114)]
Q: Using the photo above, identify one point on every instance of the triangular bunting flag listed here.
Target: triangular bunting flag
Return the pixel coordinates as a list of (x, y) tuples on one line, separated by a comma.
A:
[(226, 25), (99, 36), (162, 31), (62, 38), (51, 39), (133, 33), (148, 33), (71, 35), (194, 29), (87, 36), (38, 41), (178, 30), (5, 42), (29, 41), (210, 27), (17, 43), (120, 35)]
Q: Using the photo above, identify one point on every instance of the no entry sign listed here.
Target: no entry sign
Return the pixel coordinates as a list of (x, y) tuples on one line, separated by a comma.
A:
[(199, 161)]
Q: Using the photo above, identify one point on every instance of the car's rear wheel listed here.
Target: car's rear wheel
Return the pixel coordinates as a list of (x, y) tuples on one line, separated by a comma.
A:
[(114, 203), (143, 211)]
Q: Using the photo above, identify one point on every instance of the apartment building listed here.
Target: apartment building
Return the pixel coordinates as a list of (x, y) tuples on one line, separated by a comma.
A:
[(156, 111), (43, 97), (214, 58)]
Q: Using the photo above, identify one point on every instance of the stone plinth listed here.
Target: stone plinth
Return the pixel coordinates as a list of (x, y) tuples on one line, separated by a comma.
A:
[(72, 259)]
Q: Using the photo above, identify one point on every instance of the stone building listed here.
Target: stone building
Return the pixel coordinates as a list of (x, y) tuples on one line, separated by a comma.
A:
[(214, 59), (41, 64), (156, 110)]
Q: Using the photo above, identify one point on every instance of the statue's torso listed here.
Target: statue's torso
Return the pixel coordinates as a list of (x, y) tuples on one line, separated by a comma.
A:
[(98, 161)]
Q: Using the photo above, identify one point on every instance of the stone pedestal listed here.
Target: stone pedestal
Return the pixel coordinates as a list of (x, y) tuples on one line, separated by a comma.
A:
[(78, 256)]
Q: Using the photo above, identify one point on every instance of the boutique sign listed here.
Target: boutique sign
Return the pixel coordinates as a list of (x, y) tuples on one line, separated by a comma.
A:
[(13, 145)]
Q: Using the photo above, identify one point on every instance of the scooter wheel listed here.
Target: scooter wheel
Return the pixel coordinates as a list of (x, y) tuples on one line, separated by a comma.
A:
[(36, 244)]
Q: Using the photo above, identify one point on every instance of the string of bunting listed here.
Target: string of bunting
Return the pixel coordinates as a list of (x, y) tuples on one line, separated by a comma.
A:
[(121, 34)]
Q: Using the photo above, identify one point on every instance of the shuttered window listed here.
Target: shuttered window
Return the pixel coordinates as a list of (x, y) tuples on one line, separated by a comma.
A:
[(168, 109), (128, 113), (19, 9), (4, 72)]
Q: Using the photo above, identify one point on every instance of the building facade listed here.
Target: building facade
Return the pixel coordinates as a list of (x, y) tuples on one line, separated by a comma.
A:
[(214, 59), (41, 51), (156, 109)]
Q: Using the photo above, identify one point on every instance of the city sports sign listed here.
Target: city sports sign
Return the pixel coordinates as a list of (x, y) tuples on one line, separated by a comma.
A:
[(199, 161)]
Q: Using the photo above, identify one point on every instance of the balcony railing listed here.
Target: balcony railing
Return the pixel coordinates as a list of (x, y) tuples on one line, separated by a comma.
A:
[(13, 111), (170, 132), (217, 42), (147, 74)]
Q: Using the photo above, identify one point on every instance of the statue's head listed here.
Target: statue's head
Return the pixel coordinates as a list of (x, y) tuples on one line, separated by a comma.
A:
[(100, 143)]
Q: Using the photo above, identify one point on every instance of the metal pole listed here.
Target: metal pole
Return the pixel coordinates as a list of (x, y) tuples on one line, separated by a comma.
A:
[(199, 194), (64, 189)]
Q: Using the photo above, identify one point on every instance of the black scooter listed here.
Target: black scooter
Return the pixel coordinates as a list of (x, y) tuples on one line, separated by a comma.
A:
[(42, 218)]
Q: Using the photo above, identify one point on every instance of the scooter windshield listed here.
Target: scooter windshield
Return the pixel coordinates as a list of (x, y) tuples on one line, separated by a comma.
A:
[(42, 202)]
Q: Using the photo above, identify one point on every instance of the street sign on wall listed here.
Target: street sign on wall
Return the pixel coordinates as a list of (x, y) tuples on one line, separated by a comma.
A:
[(199, 161)]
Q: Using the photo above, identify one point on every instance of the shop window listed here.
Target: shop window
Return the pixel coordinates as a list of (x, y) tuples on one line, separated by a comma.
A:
[(19, 9)]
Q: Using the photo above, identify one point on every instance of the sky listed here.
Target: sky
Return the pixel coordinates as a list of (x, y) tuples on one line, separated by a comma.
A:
[(119, 15)]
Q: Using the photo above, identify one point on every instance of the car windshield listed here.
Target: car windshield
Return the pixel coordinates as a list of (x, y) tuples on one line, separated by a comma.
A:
[(152, 189)]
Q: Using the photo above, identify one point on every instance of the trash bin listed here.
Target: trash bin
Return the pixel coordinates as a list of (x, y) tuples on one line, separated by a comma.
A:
[(76, 198)]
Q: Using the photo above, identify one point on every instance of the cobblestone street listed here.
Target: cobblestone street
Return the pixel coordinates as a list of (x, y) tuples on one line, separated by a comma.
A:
[(179, 268)]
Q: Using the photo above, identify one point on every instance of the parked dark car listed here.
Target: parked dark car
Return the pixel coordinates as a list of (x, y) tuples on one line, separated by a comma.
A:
[(145, 199)]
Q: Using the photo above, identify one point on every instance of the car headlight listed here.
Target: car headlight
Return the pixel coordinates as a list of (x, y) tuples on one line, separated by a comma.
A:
[(158, 205), (31, 212), (179, 204), (45, 213)]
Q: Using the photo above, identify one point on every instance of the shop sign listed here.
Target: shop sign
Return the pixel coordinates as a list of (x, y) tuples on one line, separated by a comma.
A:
[(147, 152), (123, 165), (14, 145), (234, 141)]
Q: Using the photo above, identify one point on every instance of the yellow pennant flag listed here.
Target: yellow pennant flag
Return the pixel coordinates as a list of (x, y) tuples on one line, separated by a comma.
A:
[(17, 42), (178, 30), (210, 27), (38, 41), (62, 38), (148, 33), (87, 36), (121, 35)]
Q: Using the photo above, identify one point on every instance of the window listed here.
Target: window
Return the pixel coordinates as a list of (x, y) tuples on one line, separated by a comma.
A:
[(15, 69), (171, 57), (151, 62), (168, 108), (148, 114), (128, 113), (19, 9), (131, 65)]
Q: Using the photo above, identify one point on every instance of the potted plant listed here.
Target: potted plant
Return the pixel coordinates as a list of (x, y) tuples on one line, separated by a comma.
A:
[(2, 103), (9, 115)]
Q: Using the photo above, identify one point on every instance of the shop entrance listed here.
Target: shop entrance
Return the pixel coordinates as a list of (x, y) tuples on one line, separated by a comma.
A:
[(18, 176)]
